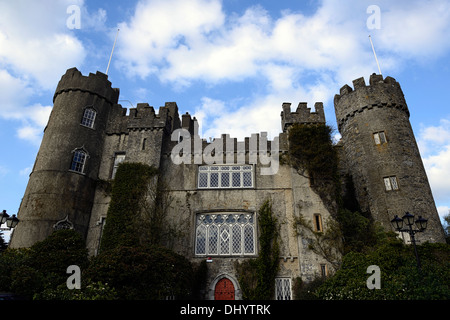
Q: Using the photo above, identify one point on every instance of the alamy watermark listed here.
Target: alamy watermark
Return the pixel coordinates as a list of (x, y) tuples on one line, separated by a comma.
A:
[(74, 20), (374, 281), (74, 280), (374, 20), (189, 149)]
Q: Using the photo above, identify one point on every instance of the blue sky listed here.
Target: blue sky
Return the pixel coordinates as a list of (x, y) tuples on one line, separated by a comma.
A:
[(231, 63)]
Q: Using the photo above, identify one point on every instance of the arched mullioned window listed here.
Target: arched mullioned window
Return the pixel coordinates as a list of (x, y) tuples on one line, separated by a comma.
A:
[(89, 115), (225, 234), (79, 160)]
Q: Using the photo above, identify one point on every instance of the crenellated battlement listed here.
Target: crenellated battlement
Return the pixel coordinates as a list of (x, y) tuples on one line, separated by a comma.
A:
[(380, 93), (97, 84), (143, 117), (302, 114), (360, 83)]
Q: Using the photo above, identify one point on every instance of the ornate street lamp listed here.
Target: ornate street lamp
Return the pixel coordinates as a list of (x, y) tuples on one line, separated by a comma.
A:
[(408, 220), (11, 222)]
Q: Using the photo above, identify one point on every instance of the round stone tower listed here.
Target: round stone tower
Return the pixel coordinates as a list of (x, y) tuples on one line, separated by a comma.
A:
[(381, 154), (62, 183)]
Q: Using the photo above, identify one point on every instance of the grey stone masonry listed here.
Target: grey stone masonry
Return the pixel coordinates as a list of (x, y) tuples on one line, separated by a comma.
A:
[(66, 190), (381, 153), (302, 114)]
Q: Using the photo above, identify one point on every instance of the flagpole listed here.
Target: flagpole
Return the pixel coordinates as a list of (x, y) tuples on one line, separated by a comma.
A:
[(112, 51), (373, 49)]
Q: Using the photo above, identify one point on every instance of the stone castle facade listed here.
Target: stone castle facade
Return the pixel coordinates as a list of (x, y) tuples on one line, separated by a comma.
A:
[(89, 134)]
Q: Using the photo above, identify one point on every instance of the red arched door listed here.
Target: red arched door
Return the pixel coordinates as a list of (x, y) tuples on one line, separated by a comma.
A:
[(224, 290)]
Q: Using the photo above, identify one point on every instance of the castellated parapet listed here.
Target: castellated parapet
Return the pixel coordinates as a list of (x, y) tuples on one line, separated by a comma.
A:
[(302, 114), (97, 84), (380, 93)]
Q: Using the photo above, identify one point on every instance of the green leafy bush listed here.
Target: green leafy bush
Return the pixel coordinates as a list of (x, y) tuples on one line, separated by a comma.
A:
[(142, 272), (400, 277), (43, 266)]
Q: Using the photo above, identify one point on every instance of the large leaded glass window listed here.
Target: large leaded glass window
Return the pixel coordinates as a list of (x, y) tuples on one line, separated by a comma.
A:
[(225, 234), (224, 176)]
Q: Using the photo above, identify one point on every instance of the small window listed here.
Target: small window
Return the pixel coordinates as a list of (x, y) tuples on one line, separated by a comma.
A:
[(78, 161), (380, 137), (390, 183), (323, 270), (318, 223), (88, 117), (118, 159), (283, 289)]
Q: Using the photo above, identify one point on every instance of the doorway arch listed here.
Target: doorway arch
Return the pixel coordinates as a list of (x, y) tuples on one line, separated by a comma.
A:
[(212, 286)]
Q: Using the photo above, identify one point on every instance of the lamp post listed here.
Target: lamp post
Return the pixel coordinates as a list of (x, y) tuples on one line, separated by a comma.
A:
[(408, 220), (11, 222)]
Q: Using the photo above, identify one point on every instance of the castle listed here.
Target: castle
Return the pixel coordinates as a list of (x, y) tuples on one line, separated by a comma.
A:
[(217, 196)]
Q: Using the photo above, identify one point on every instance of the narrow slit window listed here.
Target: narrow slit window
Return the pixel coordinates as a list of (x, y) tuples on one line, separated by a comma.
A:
[(323, 270), (318, 223)]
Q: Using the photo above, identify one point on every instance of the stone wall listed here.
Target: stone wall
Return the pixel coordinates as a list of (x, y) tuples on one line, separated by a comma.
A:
[(381, 107)]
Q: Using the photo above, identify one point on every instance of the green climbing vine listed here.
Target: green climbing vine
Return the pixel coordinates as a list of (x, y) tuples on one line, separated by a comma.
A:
[(327, 244), (312, 154), (257, 276), (128, 190)]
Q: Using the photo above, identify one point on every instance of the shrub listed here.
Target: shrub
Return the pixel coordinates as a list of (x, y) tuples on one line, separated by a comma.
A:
[(43, 266), (400, 277), (142, 272)]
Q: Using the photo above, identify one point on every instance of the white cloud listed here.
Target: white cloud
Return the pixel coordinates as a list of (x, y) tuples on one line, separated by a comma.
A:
[(434, 144), (415, 29), (158, 26), (35, 40), (435, 135), (26, 171), (14, 99), (36, 47), (29, 133), (438, 171), (199, 41)]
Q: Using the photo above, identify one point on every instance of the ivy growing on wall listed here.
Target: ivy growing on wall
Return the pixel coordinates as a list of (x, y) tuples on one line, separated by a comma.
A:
[(133, 258), (129, 186), (327, 244), (257, 276), (312, 154)]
